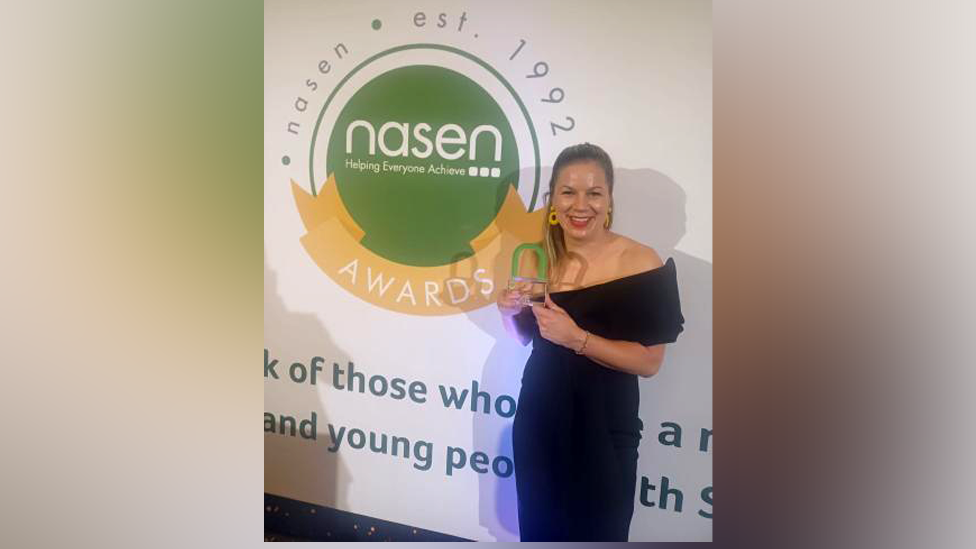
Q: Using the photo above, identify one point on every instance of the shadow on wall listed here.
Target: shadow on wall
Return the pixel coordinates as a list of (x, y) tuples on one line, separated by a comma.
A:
[(501, 375), (650, 208), (295, 467)]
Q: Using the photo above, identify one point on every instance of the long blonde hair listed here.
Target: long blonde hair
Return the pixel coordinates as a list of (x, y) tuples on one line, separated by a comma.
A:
[(554, 241)]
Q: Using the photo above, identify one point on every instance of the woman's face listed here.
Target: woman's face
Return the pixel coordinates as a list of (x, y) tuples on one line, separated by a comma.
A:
[(581, 198)]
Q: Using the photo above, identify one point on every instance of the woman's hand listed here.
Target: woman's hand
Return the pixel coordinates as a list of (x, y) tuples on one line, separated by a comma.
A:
[(510, 300), (557, 326)]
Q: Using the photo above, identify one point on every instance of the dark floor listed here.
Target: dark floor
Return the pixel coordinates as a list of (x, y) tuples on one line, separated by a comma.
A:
[(291, 520)]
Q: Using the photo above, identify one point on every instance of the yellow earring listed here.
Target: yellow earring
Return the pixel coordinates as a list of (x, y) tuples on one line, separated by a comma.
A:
[(606, 222), (552, 216)]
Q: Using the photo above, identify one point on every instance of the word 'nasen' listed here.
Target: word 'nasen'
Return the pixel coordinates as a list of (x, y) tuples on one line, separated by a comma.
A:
[(447, 135)]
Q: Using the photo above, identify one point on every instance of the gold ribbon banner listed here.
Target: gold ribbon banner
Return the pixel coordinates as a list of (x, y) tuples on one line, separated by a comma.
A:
[(333, 241)]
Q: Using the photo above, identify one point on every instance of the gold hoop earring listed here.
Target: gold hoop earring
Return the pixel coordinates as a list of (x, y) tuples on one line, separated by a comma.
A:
[(552, 216), (606, 222)]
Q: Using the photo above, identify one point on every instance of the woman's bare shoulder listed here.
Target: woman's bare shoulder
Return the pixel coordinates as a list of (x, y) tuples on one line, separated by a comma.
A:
[(637, 258)]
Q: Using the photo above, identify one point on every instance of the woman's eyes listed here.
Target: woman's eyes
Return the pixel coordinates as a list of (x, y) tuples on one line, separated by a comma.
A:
[(597, 194), (590, 194)]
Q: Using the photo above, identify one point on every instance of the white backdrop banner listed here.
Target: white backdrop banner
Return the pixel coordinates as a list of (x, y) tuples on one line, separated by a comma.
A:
[(408, 149)]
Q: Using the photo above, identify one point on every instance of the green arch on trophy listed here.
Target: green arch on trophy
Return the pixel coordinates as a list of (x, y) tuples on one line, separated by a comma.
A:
[(539, 284)]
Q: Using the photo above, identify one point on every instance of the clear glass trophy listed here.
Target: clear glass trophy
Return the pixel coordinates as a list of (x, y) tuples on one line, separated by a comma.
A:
[(536, 288)]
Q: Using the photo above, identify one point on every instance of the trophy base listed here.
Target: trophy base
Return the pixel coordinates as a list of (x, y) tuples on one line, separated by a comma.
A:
[(538, 289)]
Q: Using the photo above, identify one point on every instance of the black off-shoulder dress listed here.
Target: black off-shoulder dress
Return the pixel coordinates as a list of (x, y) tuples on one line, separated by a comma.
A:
[(576, 428)]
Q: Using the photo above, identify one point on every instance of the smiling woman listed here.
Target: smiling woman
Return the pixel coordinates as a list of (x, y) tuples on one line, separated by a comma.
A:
[(611, 309)]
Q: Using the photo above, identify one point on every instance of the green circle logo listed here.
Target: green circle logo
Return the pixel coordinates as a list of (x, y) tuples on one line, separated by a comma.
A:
[(422, 157), (419, 202)]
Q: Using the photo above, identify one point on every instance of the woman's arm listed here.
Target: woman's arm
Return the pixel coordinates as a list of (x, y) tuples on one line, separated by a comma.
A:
[(557, 326), (626, 356), (508, 320)]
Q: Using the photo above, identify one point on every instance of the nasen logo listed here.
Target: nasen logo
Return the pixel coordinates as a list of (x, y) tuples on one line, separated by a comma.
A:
[(414, 204)]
